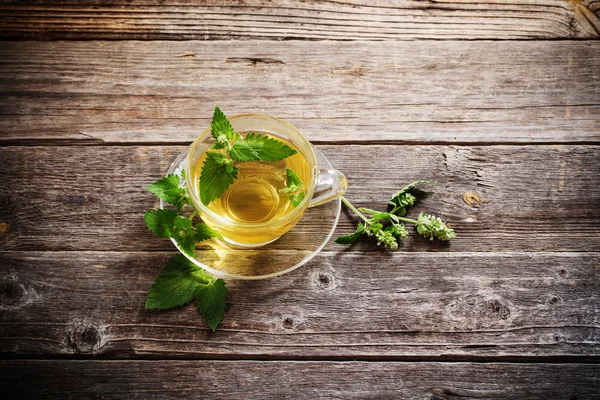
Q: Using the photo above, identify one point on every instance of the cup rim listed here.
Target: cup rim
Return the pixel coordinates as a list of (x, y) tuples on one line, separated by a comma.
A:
[(203, 209)]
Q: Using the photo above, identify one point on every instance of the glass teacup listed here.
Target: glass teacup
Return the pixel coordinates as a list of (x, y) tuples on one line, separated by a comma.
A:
[(321, 185)]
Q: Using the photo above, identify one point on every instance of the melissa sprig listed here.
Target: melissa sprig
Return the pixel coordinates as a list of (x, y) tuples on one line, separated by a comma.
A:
[(219, 170), (167, 223), (372, 225), (181, 280)]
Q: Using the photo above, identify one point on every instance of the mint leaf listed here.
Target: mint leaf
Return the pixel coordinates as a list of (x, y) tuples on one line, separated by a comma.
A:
[(211, 300), (177, 284), (349, 239), (203, 232), (187, 245), (167, 224), (220, 129), (217, 175), (296, 199), (161, 222), (180, 282), (241, 151), (292, 178), (167, 188), (293, 187), (268, 149), (187, 237), (182, 223)]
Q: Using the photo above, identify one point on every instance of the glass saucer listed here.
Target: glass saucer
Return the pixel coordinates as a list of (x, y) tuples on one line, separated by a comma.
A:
[(292, 250)]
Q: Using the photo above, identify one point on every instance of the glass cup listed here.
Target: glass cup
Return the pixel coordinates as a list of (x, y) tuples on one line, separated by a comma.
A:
[(325, 184)]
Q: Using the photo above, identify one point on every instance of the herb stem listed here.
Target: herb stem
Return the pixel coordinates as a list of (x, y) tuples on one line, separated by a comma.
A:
[(350, 206), (192, 215), (412, 221), (368, 210), (395, 209)]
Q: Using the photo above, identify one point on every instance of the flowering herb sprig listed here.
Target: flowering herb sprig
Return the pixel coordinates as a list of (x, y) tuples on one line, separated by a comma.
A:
[(429, 226)]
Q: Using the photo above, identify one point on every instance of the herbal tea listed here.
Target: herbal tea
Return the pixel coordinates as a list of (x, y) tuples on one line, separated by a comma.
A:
[(255, 195)]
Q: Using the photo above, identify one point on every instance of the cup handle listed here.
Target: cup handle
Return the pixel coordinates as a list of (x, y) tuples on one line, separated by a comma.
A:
[(331, 185)]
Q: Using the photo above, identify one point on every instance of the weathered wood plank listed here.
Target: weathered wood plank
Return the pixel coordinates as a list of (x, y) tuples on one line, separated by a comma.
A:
[(527, 198), (295, 19), (297, 380), (401, 92), (342, 305)]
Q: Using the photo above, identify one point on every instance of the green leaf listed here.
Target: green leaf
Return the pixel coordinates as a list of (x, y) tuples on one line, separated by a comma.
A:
[(293, 186), (292, 178), (217, 175), (187, 237), (399, 195), (211, 300), (349, 239), (161, 222), (167, 188), (177, 284), (180, 282), (296, 199), (203, 232), (241, 151), (187, 244), (403, 198), (268, 149), (380, 216), (182, 223), (220, 129)]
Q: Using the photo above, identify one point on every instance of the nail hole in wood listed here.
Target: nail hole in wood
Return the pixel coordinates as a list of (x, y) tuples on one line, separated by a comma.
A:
[(563, 272), (288, 322)]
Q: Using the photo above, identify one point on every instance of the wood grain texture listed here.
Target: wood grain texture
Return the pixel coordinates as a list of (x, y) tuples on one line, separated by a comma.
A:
[(297, 380), (401, 92), (296, 19), (498, 198), (342, 305)]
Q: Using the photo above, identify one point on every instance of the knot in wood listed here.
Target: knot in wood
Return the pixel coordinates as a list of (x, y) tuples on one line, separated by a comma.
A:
[(325, 280), (73, 200), (476, 311), (4, 230), (14, 294), (497, 308), (553, 300), (84, 337), (4, 200), (473, 199)]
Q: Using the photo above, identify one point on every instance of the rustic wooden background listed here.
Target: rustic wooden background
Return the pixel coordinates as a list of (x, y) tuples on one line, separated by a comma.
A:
[(499, 101)]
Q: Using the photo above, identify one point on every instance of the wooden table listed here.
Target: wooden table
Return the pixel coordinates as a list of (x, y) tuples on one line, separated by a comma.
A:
[(498, 101)]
